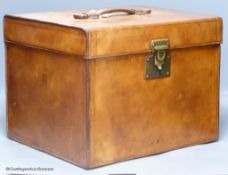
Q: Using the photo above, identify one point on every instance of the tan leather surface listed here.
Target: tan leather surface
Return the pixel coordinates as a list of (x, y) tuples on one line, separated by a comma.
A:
[(129, 116), (76, 89), (124, 40), (157, 16), (132, 117), (93, 38), (52, 37), (46, 102)]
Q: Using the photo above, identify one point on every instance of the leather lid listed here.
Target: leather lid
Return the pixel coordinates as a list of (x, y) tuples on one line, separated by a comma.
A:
[(119, 35)]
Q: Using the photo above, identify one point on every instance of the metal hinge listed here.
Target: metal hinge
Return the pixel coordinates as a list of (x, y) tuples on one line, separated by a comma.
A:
[(158, 63)]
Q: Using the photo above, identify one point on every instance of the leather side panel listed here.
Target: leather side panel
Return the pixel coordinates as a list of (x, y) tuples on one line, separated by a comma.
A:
[(46, 102), (132, 117), (124, 40), (44, 35)]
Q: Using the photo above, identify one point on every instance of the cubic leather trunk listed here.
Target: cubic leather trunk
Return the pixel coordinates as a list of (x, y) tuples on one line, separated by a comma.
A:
[(98, 87)]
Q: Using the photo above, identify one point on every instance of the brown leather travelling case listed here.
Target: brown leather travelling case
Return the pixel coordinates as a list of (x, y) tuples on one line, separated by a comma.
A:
[(103, 86)]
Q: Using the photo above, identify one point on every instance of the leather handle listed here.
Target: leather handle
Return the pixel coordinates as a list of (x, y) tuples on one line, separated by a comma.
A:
[(106, 13)]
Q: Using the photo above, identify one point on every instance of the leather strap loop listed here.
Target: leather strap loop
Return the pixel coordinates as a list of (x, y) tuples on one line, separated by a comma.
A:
[(106, 13)]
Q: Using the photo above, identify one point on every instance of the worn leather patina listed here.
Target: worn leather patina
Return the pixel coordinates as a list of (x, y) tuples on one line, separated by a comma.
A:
[(76, 87)]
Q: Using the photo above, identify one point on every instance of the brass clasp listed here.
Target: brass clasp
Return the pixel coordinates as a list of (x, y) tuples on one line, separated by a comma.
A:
[(158, 64), (160, 59)]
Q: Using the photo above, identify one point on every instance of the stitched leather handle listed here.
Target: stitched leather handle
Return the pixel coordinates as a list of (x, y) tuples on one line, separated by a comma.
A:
[(106, 13)]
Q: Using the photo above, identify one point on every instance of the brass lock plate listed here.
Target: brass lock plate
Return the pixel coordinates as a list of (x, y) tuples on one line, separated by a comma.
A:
[(158, 64)]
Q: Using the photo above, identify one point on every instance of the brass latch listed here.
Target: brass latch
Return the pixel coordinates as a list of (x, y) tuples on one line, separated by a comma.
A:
[(158, 63)]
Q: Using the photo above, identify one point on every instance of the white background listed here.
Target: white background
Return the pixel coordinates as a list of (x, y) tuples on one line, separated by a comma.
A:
[(207, 159)]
